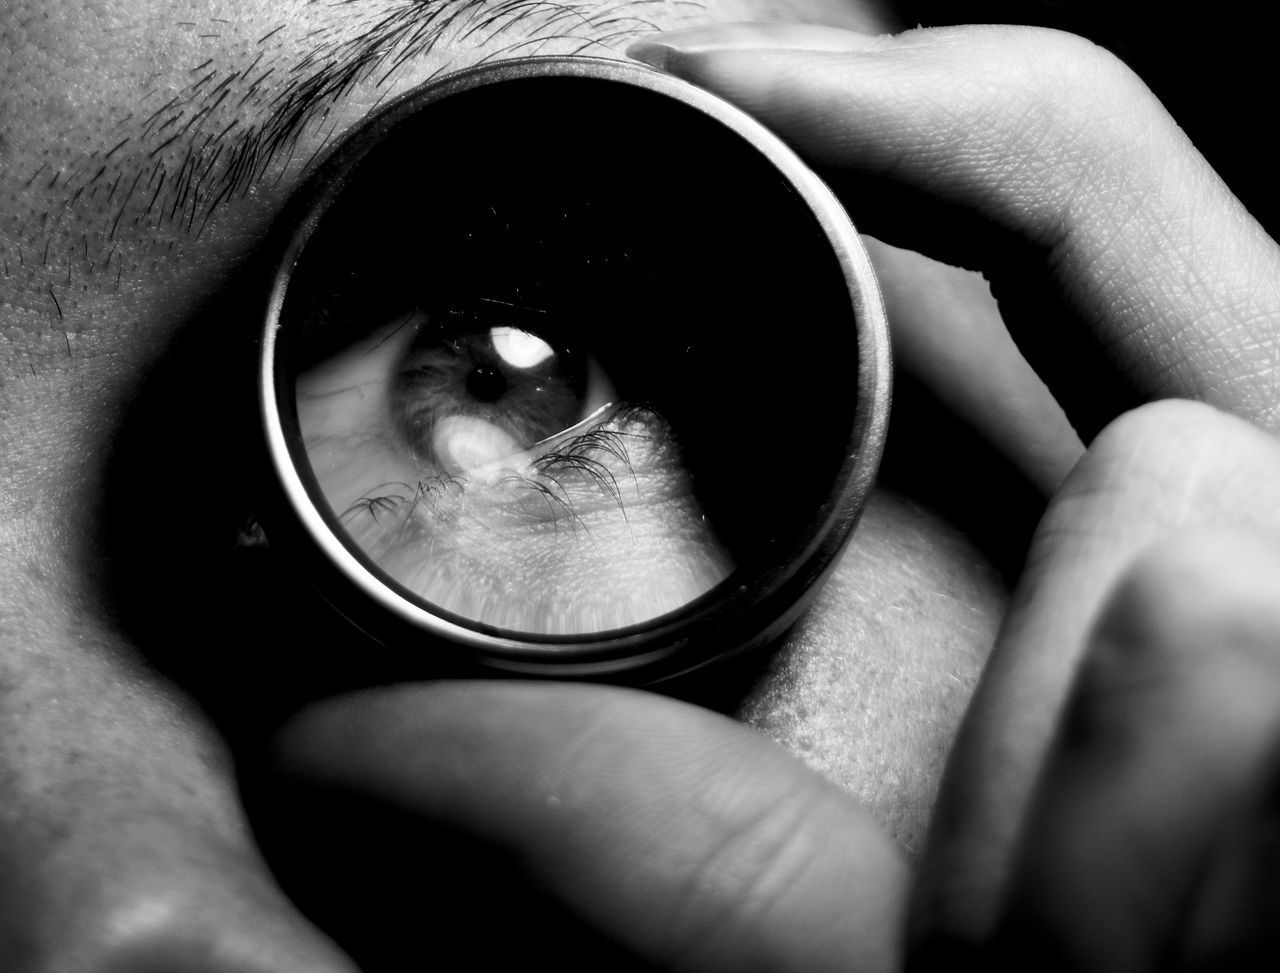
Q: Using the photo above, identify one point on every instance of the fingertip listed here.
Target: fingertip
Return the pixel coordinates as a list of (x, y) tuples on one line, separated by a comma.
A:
[(765, 69)]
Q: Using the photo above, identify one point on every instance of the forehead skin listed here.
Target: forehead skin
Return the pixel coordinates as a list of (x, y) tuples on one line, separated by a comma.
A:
[(144, 148)]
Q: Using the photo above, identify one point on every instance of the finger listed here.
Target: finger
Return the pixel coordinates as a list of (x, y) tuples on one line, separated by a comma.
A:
[(684, 836), (1170, 730), (1046, 163), (947, 333), (1153, 473), (1233, 920)]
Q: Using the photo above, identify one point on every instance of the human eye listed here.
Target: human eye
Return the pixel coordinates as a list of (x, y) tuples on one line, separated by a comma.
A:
[(480, 452)]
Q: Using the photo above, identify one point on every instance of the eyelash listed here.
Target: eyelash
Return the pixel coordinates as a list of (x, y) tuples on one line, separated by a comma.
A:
[(548, 476)]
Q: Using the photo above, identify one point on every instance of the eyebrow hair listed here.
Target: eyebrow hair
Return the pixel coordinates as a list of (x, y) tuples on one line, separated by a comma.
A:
[(175, 164), (330, 71)]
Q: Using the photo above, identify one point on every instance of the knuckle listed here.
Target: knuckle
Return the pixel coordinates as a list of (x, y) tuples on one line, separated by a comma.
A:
[(1072, 77), (1201, 588), (1184, 443), (1091, 66), (1141, 454), (1163, 468), (1171, 586), (1160, 424), (1191, 623), (1048, 115)]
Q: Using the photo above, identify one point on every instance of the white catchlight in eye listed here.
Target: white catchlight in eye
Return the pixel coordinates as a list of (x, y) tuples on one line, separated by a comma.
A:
[(520, 349)]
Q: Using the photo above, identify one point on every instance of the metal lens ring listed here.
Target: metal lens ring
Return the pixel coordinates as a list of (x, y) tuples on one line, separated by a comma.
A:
[(569, 369)]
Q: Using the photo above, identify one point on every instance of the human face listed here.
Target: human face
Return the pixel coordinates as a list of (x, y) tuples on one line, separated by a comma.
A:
[(145, 148)]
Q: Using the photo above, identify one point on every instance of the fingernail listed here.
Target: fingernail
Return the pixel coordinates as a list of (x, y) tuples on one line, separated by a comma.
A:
[(659, 49), (650, 52)]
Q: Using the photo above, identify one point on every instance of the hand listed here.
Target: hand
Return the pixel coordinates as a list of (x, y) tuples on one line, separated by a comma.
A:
[(1060, 152), (1086, 199), (671, 833)]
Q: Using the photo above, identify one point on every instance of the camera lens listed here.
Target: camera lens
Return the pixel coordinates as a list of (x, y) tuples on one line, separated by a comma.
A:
[(570, 369)]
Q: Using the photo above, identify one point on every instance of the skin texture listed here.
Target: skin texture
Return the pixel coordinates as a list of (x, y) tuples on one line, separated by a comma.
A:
[(1080, 823), (673, 831), (117, 298)]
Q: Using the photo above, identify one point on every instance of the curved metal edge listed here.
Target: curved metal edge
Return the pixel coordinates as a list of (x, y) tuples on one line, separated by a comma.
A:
[(622, 650)]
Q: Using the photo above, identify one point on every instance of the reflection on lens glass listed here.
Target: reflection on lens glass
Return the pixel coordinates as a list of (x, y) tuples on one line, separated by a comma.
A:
[(547, 380), (497, 474)]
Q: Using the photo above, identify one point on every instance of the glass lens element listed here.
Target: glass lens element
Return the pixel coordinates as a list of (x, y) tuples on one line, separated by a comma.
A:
[(499, 477), (548, 378)]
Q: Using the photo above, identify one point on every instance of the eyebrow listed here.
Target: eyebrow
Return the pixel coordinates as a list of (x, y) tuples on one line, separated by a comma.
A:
[(240, 115), (231, 125)]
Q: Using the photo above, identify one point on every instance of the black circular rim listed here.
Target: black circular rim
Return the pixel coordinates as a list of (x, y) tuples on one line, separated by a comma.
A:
[(735, 615)]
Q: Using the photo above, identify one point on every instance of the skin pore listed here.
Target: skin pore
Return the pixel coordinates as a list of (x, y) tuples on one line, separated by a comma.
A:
[(144, 149)]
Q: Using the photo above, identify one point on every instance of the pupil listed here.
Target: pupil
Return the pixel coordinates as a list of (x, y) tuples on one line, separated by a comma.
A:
[(486, 384)]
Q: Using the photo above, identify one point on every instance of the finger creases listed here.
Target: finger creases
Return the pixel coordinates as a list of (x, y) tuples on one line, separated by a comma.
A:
[(689, 839), (1122, 263)]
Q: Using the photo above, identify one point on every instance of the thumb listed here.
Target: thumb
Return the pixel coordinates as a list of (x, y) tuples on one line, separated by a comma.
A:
[(688, 838)]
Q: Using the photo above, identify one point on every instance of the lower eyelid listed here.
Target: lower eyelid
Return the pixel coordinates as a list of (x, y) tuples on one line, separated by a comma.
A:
[(596, 568), (448, 510), (594, 482)]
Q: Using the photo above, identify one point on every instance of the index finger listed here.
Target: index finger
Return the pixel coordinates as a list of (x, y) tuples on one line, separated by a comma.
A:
[(1041, 159)]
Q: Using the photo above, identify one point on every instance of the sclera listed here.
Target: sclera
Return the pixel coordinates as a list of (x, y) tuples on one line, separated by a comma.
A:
[(775, 244)]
